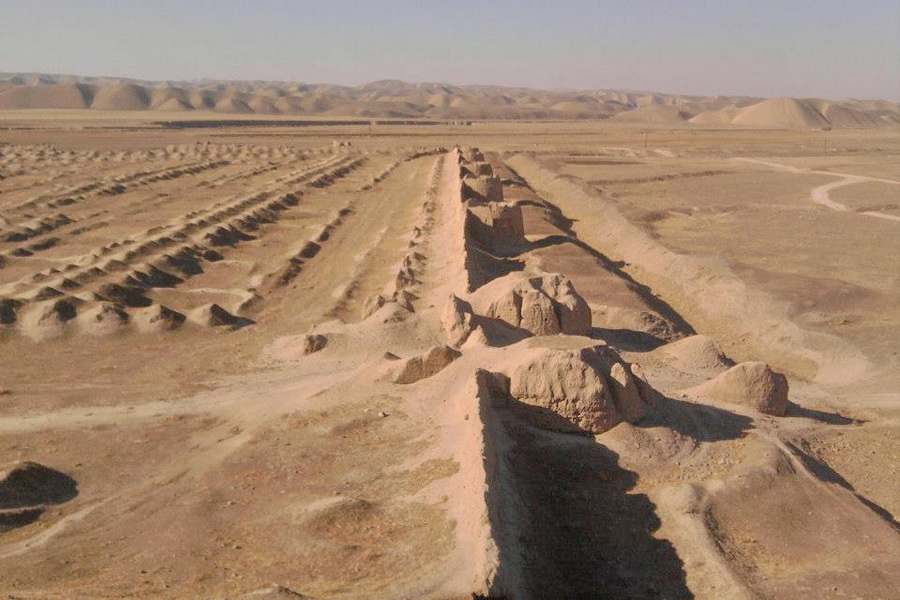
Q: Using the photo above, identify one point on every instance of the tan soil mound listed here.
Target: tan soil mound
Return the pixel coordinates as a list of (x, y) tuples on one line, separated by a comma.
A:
[(9, 308), (126, 295), (694, 352), (102, 318), (590, 389), (313, 343), (47, 320), (156, 318), (213, 315), (752, 384), (542, 304), (425, 365), (496, 225), (457, 321)]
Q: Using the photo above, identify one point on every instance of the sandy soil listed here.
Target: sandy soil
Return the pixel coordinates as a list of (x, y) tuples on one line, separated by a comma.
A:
[(216, 342)]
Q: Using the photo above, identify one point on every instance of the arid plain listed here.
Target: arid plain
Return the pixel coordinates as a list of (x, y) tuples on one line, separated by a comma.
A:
[(497, 359)]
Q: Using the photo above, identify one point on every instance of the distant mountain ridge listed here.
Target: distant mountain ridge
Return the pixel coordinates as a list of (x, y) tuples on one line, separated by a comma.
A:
[(398, 99)]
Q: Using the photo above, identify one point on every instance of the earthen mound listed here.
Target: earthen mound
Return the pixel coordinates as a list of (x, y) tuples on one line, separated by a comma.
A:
[(542, 304), (694, 352), (313, 343), (102, 318), (213, 315), (496, 225), (425, 365), (156, 318), (484, 189), (590, 389), (46, 320), (457, 321), (152, 276), (126, 295), (9, 308), (752, 384)]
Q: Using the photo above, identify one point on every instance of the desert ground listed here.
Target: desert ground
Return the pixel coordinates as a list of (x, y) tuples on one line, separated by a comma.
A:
[(574, 359)]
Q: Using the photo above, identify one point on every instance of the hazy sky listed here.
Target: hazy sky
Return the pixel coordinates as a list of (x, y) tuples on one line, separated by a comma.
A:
[(826, 48)]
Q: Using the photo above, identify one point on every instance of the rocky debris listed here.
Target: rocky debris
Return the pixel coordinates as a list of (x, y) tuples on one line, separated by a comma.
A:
[(457, 321), (752, 384), (313, 342), (541, 305), (425, 365), (590, 389)]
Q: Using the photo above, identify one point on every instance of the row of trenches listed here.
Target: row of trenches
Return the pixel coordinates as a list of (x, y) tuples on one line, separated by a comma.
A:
[(110, 289), (404, 288)]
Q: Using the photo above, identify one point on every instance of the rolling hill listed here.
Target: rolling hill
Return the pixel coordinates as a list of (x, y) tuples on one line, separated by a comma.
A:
[(398, 99)]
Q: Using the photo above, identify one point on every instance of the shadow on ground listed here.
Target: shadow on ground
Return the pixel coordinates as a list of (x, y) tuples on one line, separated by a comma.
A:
[(586, 535)]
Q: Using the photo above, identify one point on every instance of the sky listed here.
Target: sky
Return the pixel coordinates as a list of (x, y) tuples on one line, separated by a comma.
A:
[(803, 48)]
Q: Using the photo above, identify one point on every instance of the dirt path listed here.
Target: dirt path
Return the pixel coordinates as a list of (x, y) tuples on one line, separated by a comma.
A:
[(820, 195)]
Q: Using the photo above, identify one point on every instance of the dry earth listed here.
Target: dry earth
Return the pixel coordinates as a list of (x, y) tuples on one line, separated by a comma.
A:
[(375, 361)]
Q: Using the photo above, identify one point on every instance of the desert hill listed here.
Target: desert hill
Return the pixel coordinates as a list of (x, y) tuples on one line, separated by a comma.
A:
[(398, 99), (793, 113)]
